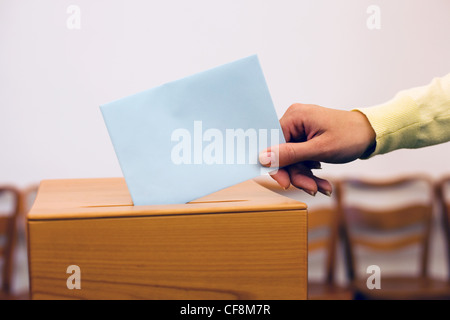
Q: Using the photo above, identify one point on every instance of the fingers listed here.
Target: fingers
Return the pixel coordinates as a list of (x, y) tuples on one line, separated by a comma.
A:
[(323, 186), (301, 177), (290, 153), (282, 177)]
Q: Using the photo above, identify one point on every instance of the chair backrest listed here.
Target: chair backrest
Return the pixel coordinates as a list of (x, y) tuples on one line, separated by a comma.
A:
[(385, 216), (9, 209), (443, 194), (324, 219), (28, 195)]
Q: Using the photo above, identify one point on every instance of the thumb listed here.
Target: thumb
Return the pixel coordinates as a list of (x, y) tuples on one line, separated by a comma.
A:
[(289, 153)]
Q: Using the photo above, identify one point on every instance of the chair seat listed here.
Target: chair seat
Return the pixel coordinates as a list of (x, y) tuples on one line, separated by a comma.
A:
[(404, 288), (321, 291)]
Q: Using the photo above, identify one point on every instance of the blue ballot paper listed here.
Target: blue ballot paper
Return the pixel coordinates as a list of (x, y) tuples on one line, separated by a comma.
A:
[(191, 137)]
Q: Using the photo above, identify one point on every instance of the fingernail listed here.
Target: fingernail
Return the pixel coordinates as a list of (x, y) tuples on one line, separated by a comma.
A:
[(327, 193), (312, 193), (266, 158)]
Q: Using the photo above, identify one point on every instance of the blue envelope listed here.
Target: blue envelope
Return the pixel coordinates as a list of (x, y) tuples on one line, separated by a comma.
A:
[(191, 137)]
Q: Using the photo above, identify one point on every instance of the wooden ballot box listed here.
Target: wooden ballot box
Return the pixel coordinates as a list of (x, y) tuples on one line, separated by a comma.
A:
[(88, 241)]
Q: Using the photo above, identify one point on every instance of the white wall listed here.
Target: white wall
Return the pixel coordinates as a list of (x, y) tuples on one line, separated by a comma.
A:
[(52, 79)]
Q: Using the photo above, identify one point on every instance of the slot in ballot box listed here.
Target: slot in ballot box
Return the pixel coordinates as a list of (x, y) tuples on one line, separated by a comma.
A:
[(87, 241)]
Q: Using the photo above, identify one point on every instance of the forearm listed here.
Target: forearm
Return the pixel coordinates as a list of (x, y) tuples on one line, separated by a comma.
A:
[(414, 118)]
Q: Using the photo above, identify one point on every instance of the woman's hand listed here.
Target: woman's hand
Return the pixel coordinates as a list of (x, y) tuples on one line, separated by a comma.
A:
[(316, 134)]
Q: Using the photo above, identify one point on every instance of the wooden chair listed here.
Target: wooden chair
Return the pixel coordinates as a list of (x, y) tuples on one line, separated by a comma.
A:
[(326, 289), (443, 194), (28, 196), (8, 233), (389, 229)]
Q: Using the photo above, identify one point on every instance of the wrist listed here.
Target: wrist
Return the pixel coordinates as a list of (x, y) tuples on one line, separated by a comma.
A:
[(368, 136)]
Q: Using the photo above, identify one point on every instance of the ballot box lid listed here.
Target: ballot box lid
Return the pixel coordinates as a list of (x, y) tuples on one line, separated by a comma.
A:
[(109, 198)]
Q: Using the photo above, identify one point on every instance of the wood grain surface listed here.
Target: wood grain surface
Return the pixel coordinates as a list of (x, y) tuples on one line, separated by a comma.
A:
[(109, 197), (214, 249)]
